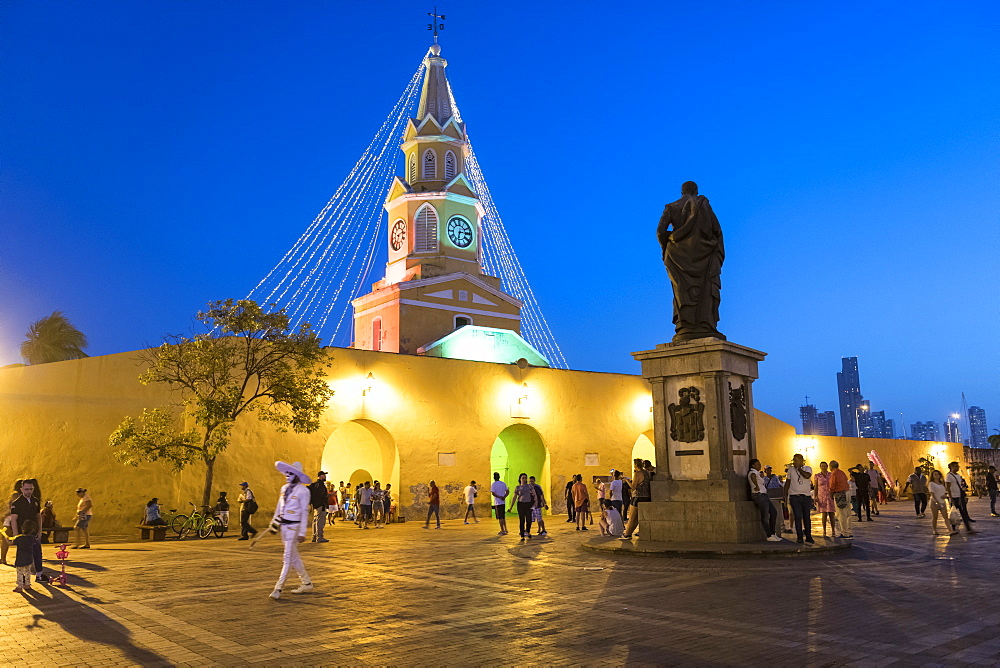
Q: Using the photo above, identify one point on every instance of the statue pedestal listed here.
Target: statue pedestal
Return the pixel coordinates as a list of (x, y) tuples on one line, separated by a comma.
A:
[(703, 425)]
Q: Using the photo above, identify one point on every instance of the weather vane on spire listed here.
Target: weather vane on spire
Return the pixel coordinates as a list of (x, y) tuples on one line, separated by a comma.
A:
[(437, 24)]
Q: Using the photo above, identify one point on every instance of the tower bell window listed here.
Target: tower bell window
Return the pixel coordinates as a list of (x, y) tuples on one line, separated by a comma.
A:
[(425, 239), (450, 165), (462, 321), (429, 171)]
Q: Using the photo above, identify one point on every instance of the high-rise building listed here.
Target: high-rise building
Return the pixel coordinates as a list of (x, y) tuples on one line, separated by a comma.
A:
[(849, 395), (815, 423), (977, 427), (826, 423), (952, 431), (924, 431), (889, 429), (876, 424), (808, 415)]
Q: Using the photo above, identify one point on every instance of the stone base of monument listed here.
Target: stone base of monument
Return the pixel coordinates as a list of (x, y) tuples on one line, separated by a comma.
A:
[(695, 550), (702, 511)]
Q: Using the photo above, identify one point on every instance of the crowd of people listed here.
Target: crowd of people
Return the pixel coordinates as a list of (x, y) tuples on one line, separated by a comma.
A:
[(785, 503), (840, 498)]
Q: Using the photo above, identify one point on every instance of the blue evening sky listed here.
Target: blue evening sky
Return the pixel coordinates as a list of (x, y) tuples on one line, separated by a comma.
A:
[(158, 155)]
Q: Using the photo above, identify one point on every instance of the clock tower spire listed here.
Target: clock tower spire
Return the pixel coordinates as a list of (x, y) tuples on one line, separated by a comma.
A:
[(434, 281)]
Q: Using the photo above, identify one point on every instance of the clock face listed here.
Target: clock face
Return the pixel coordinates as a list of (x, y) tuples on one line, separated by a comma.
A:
[(460, 232), (398, 235)]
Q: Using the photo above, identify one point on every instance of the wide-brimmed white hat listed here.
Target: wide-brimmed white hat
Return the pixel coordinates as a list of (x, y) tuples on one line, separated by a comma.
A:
[(295, 469)]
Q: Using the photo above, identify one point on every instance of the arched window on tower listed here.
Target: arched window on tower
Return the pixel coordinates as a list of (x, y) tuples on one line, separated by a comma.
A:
[(412, 174), (450, 166), (425, 230), (429, 170), (462, 321), (377, 334)]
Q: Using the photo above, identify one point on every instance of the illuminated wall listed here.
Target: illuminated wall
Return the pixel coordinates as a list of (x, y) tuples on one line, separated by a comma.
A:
[(405, 419)]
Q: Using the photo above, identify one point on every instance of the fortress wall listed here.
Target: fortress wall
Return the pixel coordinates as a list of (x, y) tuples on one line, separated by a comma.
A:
[(55, 420), (415, 419)]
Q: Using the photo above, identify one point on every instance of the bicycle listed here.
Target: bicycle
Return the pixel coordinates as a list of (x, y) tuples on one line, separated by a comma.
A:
[(202, 523)]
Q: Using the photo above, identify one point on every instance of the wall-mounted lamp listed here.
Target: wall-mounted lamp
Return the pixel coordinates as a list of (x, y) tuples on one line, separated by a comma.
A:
[(520, 408)]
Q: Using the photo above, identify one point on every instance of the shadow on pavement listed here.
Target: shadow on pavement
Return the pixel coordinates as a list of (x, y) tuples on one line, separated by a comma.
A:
[(80, 620), (55, 564)]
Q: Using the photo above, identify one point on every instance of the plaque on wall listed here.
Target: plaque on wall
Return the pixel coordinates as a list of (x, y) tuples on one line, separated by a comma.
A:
[(686, 423)]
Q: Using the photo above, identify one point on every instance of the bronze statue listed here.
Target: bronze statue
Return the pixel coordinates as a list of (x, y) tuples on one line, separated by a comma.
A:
[(693, 255)]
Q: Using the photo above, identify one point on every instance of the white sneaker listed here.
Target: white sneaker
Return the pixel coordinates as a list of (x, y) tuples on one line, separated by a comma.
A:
[(276, 594), (774, 539), (302, 589)]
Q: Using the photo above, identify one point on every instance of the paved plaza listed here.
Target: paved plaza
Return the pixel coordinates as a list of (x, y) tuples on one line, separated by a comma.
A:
[(463, 595)]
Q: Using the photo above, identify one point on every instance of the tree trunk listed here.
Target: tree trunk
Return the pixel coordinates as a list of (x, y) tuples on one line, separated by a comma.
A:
[(206, 497)]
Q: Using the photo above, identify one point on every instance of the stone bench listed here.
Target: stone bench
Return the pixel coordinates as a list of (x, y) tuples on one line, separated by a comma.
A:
[(156, 532)]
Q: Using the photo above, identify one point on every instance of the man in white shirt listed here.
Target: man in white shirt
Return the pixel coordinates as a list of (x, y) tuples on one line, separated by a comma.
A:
[(499, 491), (955, 486), (470, 493), (798, 494), (616, 491)]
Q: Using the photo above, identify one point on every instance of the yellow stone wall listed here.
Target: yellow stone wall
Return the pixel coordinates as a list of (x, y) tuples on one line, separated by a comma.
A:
[(414, 419), (777, 442)]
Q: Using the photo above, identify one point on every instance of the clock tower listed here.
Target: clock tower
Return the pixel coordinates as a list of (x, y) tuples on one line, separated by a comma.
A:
[(434, 282)]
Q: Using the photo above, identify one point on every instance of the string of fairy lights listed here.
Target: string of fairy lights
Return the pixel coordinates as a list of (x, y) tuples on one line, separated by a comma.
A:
[(499, 259), (327, 266), (331, 263)]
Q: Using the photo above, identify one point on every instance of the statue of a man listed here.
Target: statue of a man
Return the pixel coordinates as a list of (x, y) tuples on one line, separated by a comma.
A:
[(691, 240)]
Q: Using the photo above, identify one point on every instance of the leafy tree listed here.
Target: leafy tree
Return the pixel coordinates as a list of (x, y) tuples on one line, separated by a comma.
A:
[(926, 464), (53, 339), (994, 441), (248, 361)]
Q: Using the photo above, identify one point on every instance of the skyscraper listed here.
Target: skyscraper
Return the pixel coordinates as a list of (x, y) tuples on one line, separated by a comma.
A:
[(952, 432), (849, 394), (924, 431), (815, 423), (977, 427), (877, 422), (808, 415), (889, 429), (826, 423)]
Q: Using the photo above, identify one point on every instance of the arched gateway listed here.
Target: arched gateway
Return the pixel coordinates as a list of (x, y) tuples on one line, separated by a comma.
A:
[(519, 449), (361, 450)]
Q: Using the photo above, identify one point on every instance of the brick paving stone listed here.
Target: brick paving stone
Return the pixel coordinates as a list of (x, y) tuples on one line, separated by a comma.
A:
[(463, 595)]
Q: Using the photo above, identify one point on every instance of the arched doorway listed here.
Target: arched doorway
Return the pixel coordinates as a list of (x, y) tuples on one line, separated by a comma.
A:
[(361, 450), (643, 448), (358, 478), (519, 449)]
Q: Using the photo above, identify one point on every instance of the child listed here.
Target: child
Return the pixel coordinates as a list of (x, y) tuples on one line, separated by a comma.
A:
[(25, 557)]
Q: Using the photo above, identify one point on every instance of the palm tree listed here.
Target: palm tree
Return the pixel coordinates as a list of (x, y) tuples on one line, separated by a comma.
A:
[(53, 339)]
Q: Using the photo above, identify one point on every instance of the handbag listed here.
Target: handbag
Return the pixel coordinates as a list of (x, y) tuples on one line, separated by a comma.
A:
[(840, 498), (251, 506)]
